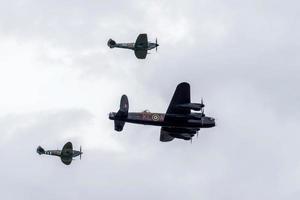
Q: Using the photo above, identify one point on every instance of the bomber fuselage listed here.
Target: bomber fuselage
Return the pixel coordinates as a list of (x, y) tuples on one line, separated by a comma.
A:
[(193, 120)]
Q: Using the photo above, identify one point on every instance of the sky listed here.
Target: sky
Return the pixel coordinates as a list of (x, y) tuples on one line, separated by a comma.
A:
[(59, 80)]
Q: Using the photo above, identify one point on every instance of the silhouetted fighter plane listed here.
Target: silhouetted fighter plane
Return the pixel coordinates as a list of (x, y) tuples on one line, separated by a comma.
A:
[(140, 47), (178, 122), (66, 154)]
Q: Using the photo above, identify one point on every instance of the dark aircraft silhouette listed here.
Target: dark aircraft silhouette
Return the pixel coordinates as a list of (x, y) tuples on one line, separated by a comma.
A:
[(177, 122), (140, 47), (66, 154)]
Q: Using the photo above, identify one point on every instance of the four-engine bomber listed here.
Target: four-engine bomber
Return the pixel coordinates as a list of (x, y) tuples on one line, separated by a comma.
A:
[(177, 122)]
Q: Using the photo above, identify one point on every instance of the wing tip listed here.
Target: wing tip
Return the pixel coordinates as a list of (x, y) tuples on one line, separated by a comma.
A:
[(183, 84), (68, 143)]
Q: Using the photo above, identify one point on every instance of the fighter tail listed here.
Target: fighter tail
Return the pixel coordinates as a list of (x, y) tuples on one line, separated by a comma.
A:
[(111, 43), (40, 150)]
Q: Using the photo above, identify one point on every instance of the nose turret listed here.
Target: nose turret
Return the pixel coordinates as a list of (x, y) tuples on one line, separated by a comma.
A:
[(208, 122)]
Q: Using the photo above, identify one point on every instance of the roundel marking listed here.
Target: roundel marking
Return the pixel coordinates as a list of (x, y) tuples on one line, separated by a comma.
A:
[(155, 117)]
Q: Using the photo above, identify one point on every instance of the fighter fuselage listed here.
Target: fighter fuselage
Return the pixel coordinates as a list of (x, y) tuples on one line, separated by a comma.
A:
[(59, 153), (132, 46)]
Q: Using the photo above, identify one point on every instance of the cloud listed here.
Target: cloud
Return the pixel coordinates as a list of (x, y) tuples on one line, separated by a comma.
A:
[(59, 80)]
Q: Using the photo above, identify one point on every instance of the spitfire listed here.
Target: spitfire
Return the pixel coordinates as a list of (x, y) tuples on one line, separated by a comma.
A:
[(177, 122), (140, 47), (66, 154)]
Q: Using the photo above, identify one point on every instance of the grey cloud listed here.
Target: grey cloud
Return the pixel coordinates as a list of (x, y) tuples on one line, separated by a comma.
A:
[(241, 57)]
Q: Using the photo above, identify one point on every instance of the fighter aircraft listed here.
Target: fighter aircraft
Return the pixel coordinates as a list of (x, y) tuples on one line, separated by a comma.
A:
[(177, 122), (66, 154), (140, 47)]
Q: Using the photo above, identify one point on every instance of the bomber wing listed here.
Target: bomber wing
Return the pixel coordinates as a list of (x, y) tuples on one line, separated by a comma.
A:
[(165, 135), (168, 133), (182, 95)]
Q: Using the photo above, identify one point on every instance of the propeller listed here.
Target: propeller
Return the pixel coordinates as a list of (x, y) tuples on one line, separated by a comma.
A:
[(202, 109), (80, 153), (156, 44)]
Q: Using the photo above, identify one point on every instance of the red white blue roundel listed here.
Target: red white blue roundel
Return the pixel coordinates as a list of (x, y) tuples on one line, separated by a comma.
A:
[(155, 117)]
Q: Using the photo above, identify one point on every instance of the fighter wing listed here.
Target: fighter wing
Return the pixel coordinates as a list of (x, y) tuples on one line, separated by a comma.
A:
[(67, 147), (141, 41), (66, 161), (67, 153), (181, 96), (141, 54), (141, 46)]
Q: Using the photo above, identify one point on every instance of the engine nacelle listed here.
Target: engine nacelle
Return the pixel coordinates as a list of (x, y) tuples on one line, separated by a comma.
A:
[(192, 106), (196, 115), (182, 130), (181, 136)]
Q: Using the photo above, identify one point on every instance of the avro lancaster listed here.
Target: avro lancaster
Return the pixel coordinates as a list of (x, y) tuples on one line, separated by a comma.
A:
[(177, 122)]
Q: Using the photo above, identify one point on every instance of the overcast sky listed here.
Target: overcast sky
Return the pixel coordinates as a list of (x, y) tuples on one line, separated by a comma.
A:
[(59, 81)]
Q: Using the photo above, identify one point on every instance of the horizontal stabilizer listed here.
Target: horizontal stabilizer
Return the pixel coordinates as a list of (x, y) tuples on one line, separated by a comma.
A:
[(111, 43), (40, 150)]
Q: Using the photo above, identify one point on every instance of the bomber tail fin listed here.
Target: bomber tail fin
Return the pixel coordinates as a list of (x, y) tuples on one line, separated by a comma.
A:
[(119, 125), (122, 113), (111, 43), (124, 107)]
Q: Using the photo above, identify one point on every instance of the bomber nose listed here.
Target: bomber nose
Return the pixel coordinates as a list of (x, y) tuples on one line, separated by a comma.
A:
[(213, 122), (209, 122)]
